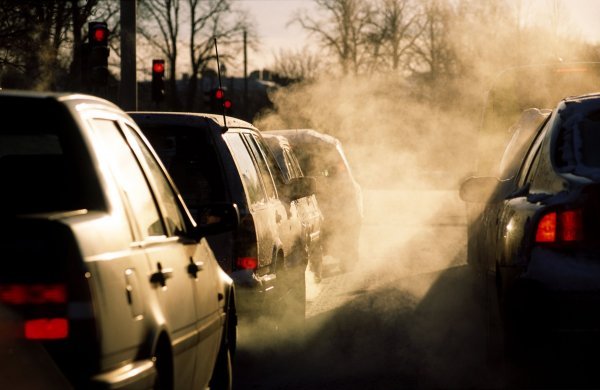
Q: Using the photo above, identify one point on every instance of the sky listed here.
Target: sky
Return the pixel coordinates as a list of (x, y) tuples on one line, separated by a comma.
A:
[(274, 31), (272, 19)]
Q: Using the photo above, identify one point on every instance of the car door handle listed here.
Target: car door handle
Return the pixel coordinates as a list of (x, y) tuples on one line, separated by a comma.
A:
[(161, 276), (194, 267)]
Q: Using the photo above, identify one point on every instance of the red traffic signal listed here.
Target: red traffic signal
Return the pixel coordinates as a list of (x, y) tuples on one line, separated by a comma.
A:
[(98, 33), (97, 53), (158, 80), (219, 95), (158, 66)]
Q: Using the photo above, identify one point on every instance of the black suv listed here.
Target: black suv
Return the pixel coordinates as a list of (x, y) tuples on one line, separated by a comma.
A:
[(216, 159)]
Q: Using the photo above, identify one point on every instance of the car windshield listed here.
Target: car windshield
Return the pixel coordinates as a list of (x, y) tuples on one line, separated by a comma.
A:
[(40, 167)]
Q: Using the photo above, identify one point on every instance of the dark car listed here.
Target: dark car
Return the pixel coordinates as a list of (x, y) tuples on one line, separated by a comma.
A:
[(310, 217), (340, 196), (216, 159), (103, 267), (535, 242)]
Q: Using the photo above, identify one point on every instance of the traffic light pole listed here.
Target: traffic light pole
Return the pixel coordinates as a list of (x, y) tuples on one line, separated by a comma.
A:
[(128, 88)]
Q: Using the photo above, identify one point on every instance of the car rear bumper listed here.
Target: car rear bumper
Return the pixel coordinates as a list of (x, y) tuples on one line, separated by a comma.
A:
[(556, 291), (252, 291)]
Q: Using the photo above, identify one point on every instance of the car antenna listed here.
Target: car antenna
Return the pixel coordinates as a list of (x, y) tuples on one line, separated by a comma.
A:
[(220, 86)]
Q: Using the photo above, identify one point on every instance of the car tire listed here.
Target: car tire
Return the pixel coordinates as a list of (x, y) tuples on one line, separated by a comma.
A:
[(222, 375), (163, 362)]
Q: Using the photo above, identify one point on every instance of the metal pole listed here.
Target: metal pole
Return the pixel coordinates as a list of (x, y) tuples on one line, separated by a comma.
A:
[(245, 75), (128, 89)]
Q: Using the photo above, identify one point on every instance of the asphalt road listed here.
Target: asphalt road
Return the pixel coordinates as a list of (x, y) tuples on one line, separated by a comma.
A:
[(409, 316), (404, 318)]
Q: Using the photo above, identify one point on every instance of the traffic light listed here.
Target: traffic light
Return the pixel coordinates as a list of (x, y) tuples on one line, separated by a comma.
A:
[(98, 53), (218, 102), (158, 80)]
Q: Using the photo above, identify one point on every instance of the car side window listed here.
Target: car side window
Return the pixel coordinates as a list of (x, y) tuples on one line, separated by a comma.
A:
[(255, 192), (293, 163), (172, 212), (128, 173), (263, 168), (530, 161)]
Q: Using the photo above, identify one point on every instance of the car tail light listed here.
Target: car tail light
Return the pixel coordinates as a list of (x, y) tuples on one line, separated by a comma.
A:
[(560, 227), (33, 294), (45, 308), (47, 329), (247, 263), (546, 230)]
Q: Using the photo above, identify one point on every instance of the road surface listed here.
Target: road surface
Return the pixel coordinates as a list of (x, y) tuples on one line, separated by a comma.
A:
[(408, 316)]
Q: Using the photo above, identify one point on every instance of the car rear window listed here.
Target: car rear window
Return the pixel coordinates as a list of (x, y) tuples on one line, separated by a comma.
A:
[(578, 142), (191, 160), (41, 162), (590, 140)]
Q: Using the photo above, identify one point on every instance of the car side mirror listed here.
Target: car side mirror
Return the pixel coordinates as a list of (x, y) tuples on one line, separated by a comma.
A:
[(484, 189), (215, 218), (300, 187)]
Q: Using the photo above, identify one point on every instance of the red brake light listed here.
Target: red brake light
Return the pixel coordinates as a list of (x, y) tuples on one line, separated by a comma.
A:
[(546, 230), (33, 294), (247, 262), (46, 329), (561, 226), (571, 225)]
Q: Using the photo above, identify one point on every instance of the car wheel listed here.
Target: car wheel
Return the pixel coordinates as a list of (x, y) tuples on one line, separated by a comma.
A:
[(222, 376), (164, 368)]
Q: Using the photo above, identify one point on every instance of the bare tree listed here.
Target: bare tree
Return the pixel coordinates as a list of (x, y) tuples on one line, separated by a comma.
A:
[(160, 27), (35, 36), (344, 31), (210, 20), (300, 65), (80, 14), (433, 54), (397, 28)]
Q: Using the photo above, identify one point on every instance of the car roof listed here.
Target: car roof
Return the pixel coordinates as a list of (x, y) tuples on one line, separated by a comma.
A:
[(192, 118), (590, 96), (305, 135), (64, 97), (282, 141)]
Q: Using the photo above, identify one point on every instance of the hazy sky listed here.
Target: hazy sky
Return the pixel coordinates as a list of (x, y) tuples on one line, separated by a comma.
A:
[(272, 23), (272, 19)]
